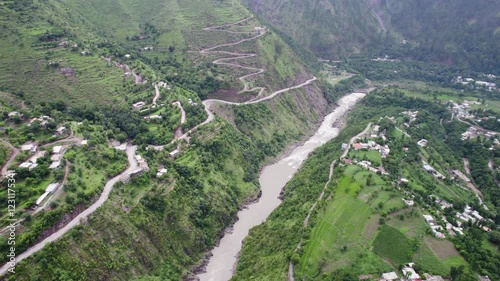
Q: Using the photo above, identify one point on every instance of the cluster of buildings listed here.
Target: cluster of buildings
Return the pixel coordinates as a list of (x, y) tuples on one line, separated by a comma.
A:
[(57, 155), (44, 120), (469, 214), (474, 132), (408, 273), (490, 86), (384, 150), (436, 229), (412, 115), (368, 166), (371, 145), (143, 167), (31, 163)]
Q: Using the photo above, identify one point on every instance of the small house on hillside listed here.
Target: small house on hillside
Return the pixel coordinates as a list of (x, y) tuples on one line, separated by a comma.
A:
[(60, 131), (174, 153), (390, 276), (139, 105)]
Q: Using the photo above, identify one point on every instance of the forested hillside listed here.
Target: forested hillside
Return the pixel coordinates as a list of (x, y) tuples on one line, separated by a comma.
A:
[(84, 66), (450, 32)]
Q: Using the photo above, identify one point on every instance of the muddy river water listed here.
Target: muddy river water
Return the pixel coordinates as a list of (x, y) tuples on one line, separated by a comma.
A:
[(273, 178)]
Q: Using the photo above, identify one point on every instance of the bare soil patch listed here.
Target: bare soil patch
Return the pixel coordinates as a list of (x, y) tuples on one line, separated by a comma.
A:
[(442, 248)]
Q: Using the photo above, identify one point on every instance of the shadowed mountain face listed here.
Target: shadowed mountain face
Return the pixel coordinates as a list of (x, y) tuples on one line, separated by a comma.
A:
[(445, 31)]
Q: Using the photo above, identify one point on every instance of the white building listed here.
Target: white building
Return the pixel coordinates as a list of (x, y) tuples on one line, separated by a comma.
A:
[(57, 149), (410, 272), (139, 105), (422, 143), (41, 198), (55, 165), (52, 188), (161, 172), (389, 276), (174, 153)]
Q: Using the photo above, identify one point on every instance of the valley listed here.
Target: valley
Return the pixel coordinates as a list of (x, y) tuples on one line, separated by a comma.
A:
[(234, 140)]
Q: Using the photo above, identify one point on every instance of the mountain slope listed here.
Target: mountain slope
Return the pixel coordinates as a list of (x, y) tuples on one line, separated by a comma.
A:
[(154, 228), (459, 32)]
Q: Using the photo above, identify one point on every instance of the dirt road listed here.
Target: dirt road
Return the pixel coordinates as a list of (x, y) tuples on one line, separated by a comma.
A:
[(13, 155), (83, 216)]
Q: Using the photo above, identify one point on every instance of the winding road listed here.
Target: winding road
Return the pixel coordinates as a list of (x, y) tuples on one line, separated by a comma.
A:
[(355, 138), (235, 56), (15, 152), (132, 149), (82, 216)]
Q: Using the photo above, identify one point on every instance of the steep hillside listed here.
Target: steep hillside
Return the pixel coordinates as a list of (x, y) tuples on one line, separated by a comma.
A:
[(153, 228), (65, 50), (459, 32)]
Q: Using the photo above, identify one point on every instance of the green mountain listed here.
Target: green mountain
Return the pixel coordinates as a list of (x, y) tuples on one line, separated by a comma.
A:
[(450, 32), (72, 60)]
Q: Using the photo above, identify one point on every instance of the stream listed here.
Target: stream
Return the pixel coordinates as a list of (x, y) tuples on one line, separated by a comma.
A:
[(222, 264)]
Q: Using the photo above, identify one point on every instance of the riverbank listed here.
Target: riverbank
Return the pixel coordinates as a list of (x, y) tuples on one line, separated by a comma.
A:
[(224, 256)]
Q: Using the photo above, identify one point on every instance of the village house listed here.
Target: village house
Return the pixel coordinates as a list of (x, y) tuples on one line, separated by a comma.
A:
[(139, 105), (161, 172), (422, 143), (390, 276), (152, 117), (60, 131), (409, 203), (49, 190), (31, 147), (174, 153), (14, 114), (57, 149), (55, 165), (28, 165), (143, 165), (36, 156), (409, 272), (121, 147)]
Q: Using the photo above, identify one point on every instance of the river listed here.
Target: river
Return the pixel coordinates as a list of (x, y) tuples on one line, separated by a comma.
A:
[(273, 178)]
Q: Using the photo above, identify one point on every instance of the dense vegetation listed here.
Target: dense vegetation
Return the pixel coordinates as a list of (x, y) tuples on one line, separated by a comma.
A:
[(270, 246), (449, 32)]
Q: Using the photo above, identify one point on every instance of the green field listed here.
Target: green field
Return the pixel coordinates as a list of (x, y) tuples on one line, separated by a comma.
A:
[(393, 246), (337, 239), (371, 155)]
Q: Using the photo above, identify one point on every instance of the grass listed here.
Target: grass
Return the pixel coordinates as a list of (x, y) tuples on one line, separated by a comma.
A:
[(393, 246), (338, 238), (412, 226), (428, 262), (448, 94), (371, 155), (5, 152)]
